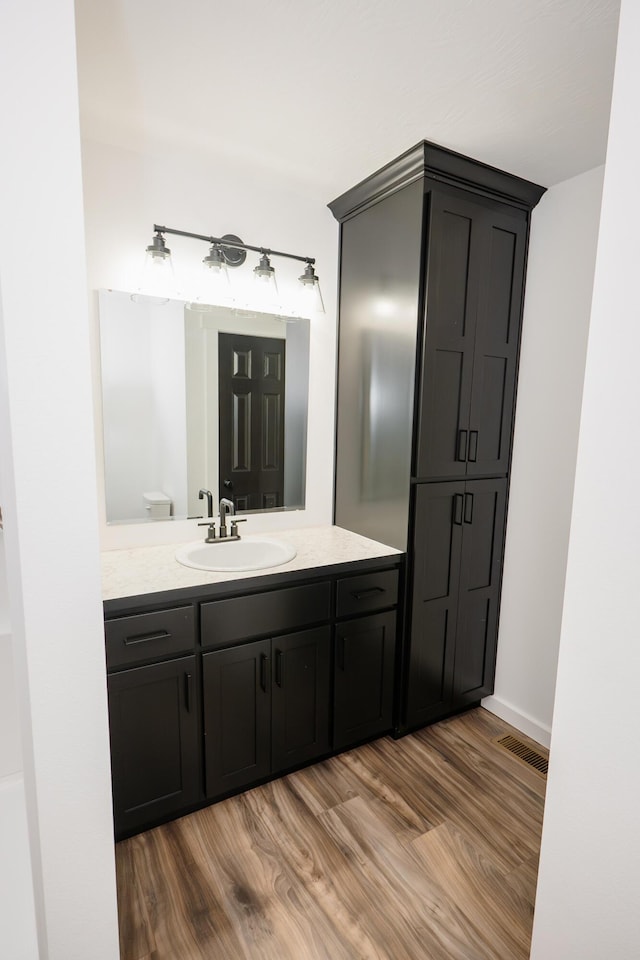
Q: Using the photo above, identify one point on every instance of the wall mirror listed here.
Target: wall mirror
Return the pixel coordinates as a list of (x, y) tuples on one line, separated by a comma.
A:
[(211, 398)]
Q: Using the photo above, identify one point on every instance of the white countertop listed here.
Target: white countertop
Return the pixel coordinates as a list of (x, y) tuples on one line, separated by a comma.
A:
[(142, 570)]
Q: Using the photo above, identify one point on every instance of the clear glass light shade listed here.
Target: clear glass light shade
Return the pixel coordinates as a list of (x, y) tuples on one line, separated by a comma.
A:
[(158, 282), (215, 285), (310, 297), (265, 286)]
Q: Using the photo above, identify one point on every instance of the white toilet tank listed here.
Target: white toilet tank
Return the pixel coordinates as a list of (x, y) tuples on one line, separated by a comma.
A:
[(157, 504)]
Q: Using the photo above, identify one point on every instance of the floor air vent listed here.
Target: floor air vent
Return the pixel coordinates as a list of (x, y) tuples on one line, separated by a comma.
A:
[(525, 753)]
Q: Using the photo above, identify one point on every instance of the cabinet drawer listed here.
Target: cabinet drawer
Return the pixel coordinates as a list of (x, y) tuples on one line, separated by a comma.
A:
[(371, 591), (264, 614), (147, 636)]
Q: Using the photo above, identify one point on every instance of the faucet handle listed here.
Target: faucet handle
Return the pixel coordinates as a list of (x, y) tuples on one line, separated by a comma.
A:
[(211, 532)]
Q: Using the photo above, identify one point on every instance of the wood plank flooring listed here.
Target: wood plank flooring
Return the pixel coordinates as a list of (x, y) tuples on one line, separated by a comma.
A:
[(424, 848)]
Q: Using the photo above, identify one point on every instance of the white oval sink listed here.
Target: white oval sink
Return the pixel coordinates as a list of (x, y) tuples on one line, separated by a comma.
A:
[(236, 555)]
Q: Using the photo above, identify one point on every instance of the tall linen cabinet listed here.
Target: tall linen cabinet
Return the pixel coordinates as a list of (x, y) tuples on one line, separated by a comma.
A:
[(433, 252)]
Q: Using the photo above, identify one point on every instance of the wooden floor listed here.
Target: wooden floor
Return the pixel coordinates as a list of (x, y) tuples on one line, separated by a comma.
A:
[(426, 847)]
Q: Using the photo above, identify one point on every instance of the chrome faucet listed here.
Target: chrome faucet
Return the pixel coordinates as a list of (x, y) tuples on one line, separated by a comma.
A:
[(207, 493), (226, 508)]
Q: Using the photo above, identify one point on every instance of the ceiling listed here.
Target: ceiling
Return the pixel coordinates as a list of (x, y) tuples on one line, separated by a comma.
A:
[(329, 91)]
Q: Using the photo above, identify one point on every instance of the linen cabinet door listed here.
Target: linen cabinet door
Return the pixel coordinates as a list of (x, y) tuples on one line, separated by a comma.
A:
[(437, 545), (154, 722), (480, 577), (497, 339), (453, 283), (300, 697), (237, 716)]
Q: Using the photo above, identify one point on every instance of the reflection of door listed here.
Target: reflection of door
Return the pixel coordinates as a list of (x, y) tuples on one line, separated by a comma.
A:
[(251, 385)]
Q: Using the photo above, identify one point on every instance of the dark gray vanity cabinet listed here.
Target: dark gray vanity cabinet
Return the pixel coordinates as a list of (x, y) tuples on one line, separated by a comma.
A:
[(266, 708), (364, 657), (154, 717), (221, 687), (364, 674), (432, 266)]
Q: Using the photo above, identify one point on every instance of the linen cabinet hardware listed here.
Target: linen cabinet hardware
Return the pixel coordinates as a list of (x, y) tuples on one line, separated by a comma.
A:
[(468, 508), (462, 445), (147, 637), (371, 592), (264, 660), (457, 508), (473, 446), (279, 668), (188, 681)]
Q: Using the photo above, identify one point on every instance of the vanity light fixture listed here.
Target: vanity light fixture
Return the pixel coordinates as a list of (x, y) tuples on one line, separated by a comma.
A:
[(230, 251)]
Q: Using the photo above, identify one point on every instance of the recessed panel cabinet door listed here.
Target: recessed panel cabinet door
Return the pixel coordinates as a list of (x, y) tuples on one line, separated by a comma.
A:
[(154, 721), (300, 697), (475, 275), (496, 342), (364, 675), (480, 575), (237, 716), (453, 285), (437, 548)]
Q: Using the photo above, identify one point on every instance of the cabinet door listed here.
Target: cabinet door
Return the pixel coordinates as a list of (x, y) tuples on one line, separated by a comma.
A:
[(153, 718), (364, 674), (435, 578), (496, 341), (453, 285), (300, 697), (237, 716), (479, 590)]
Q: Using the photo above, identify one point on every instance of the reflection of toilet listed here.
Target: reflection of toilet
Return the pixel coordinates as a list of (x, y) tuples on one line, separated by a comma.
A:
[(157, 504)]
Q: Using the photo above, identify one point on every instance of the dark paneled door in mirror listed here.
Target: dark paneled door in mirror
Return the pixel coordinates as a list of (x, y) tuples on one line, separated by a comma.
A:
[(252, 394)]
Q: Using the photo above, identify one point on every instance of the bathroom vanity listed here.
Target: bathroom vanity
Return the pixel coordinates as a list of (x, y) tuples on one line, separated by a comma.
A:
[(220, 681)]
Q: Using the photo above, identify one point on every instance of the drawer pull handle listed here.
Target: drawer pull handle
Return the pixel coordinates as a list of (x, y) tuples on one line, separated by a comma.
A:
[(146, 637), (187, 691), (279, 668), (473, 446), (264, 660), (363, 594), (458, 500)]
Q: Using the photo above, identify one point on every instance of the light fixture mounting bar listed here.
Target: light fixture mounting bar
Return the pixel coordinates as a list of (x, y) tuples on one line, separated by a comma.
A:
[(223, 242)]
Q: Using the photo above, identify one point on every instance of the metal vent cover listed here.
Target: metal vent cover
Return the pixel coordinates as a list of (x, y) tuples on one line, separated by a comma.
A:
[(524, 753)]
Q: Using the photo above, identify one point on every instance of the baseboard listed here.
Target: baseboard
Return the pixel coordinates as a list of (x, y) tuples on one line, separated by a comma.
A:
[(522, 721)]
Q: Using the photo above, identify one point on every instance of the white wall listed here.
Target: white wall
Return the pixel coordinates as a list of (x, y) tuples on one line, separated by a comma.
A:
[(562, 252), (589, 880), (47, 476), (127, 192)]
